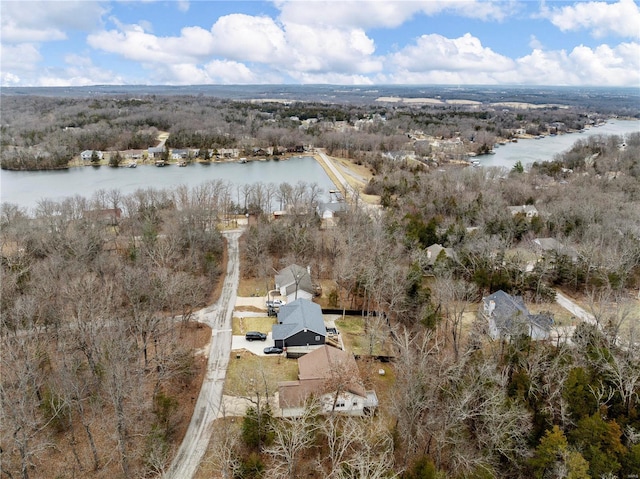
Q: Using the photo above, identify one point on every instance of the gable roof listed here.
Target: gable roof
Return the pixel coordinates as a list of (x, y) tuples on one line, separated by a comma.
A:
[(299, 315), (552, 244), (288, 276), (322, 362), (320, 371), (505, 309), (434, 251)]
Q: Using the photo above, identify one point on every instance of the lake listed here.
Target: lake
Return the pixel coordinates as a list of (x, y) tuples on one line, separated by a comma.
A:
[(26, 188), (544, 149)]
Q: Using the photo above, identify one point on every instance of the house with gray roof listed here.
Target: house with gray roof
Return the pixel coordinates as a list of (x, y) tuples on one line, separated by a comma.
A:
[(87, 155), (155, 151), (508, 316), (435, 251), (551, 245), (300, 323), (294, 282)]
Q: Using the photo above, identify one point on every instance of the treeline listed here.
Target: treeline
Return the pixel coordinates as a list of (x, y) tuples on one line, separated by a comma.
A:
[(97, 374), (465, 406), (512, 410), (49, 131)]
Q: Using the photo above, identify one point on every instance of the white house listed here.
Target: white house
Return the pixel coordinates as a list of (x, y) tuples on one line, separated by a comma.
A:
[(529, 211), (86, 155), (331, 375)]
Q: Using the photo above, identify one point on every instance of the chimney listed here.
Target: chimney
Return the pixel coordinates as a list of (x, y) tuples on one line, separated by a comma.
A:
[(309, 270)]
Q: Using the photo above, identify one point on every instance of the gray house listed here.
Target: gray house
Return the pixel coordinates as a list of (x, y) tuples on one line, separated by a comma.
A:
[(156, 151), (294, 282), (435, 250), (508, 316), (300, 323)]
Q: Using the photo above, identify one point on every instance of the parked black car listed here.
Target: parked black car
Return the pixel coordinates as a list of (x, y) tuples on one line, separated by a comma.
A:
[(255, 336), (272, 350)]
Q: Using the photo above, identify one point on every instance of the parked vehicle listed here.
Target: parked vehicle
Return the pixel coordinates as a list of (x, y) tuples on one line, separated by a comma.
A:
[(255, 336), (272, 350), (275, 302)]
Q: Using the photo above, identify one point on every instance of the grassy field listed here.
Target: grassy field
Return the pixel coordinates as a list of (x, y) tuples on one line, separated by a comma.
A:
[(254, 287), (362, 340), (247, 371), (240, 324)]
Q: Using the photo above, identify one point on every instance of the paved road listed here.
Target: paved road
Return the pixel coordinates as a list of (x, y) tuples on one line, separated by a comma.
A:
[(349, 191), (346, 187), (218, 317), (573, 308)]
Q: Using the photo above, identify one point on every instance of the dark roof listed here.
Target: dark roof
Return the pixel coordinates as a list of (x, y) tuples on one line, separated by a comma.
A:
[(507, 308), (299, 315)]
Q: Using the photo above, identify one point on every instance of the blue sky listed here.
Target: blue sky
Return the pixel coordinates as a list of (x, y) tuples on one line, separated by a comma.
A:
[(521, 42)]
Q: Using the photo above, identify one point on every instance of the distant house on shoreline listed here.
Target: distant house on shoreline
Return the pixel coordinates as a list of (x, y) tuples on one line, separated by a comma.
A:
[(87, 155)]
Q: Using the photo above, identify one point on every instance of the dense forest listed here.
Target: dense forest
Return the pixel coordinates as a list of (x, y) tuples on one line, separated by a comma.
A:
[(48, 133), (93, 358)]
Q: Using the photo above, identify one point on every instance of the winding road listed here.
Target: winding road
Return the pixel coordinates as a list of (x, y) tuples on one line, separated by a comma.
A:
[(218, 317)]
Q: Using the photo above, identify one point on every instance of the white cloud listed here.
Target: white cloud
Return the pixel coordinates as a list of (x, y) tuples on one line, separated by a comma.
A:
[(9, 79), (222, 71), (601, 18), (439, 60), (47, 20), (383, 13), (600, 66), (22, 57), (183, 5), (243, 39), (435, 52), (79, 71), (341, 51), (534, 43), (331, 78), (134, 43), (249, 38)]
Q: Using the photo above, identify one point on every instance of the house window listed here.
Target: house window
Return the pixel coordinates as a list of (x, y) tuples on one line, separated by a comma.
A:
[(355, 403), (340, 404), (317, 338)]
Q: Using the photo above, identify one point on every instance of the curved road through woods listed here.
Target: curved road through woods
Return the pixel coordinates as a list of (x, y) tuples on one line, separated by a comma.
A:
[(218, 317)]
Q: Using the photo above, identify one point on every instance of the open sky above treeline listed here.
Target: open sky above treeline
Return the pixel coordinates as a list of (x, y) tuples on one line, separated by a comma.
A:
[(361, 42)]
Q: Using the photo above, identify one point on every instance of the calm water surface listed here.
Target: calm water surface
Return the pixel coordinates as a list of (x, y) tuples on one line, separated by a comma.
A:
[(26, 188), (528, 151)]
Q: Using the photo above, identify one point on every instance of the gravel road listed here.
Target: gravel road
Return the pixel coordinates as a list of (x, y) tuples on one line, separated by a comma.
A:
[(218, 317)]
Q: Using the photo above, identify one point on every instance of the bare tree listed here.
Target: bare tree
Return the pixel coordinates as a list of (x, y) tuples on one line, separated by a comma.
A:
[(454, 296), (292, 437)]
